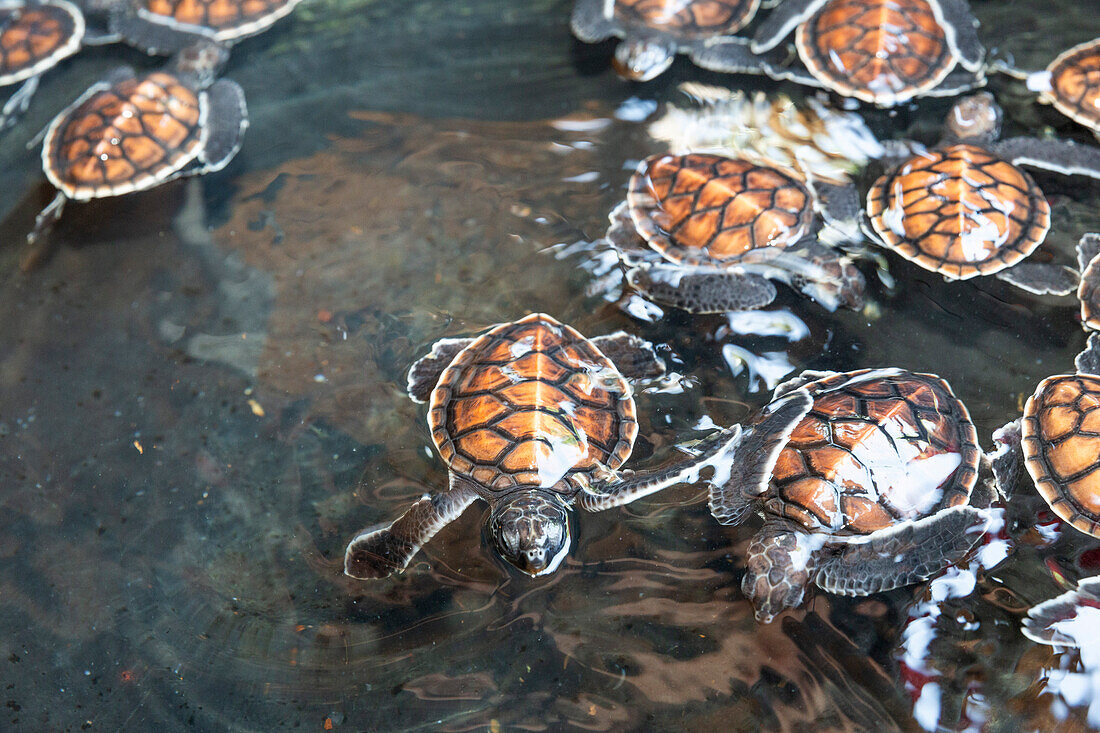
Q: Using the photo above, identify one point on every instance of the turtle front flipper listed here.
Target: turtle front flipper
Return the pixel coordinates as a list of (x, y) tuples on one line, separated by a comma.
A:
[(1060, 156), (840, 206), (424, 374), (380, 552), (1006, 459), (702, 290), (1088, 292), (1088, 361), (727, 54), (959, 21), (634, 357), (628, 486), (754, 457), (781, 22), (1041, 278), (590, 22), (1051, 622), (778, 565), (225, 125), (899, 555)]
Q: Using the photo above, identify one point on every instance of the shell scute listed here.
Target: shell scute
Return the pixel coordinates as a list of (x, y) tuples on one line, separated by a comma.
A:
[(230, 18), (35, 37), (1075, 84), (696, 19)]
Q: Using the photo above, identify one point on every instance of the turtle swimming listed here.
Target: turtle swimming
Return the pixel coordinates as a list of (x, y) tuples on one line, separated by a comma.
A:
[(34, 37), (533, 418), (1071, 82), (654, 31), (865, 481), (166, 26), (708, 234)]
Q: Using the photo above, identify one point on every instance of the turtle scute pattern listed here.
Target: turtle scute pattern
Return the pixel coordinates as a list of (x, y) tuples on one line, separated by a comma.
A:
[(1061, 439), (125, 138), (876, 49), (216, 14), (961, 211), (1075, 84), (532, 403), (875, 451), (30, 35), (687, 19), (705, 209)]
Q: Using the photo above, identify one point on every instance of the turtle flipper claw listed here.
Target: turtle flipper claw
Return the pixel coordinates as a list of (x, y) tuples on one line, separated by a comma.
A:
[(424, 374)]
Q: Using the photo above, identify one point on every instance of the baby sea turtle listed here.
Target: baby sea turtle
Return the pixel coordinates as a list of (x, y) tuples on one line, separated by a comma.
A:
[(1072, 84), (166, 26), (533, 418), (1088, 292), (879, 51), (34, 37), (964, 208), (654, 31), (134, 132), (864, 479), (707, 234)]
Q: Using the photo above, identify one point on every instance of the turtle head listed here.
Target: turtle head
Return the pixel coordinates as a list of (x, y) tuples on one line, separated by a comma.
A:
[(201, 62), (531, 530), (975, 118), (777, 572), (642, 60)]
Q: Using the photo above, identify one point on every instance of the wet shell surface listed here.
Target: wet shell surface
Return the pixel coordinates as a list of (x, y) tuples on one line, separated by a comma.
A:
[(127, 137), (1061, 442), (1075, 84), (709, 209), (880, 51), (35, 37), (696, 19), (960, 211), (878, 447), (532, 403), (229, 19)]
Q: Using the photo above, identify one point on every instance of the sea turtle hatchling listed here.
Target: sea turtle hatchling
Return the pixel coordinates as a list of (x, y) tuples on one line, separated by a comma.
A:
[(880, 51), (708, 234), (34, 37), (1072, 84), (864, 480), (134, 132), (534, 418), (166, 26), (654, 31), (964, 208)]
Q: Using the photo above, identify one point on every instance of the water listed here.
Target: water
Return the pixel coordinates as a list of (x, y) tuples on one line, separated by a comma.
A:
[(203, 400)]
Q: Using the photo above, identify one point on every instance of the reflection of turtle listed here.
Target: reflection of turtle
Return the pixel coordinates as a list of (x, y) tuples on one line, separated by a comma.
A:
[(166, 26), (964, 209), (864, 479), (132, 133), (1072, 84), (708, 233), (34, 37), (879, 51), (653, 31), (531, 417)]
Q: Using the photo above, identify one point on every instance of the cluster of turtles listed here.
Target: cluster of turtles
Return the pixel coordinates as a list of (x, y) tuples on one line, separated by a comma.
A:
[(867, 480)]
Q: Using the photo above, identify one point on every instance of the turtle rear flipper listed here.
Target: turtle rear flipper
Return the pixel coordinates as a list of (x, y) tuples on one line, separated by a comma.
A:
[(959, 22), (634, 357), (1087, 249), (424, 373), (225, 126), (380, 552), (1041, 278), (17, 103), (840, 206), (590, 23), (702, 290), (781, 22), (1060, 156), (755, 455), (900, 555)]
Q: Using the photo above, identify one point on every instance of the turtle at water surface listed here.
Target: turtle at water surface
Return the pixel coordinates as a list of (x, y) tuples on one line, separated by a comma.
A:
[(964, 208), (708, 234), (864, 479), (166, 26), (880, 51), (534, 418), (654, 31), (134, 132)]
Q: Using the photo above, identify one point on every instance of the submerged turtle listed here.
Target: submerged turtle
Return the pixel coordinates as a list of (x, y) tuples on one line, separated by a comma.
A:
[(654, 31), (166, 26), (131, 133), (864, 479), (34, 37), (533, 418), (1088, 292), (879, 51), (1072, 84), (707, 234), (964, 208)]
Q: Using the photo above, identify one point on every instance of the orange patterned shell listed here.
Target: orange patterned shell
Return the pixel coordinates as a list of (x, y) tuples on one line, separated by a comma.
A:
[(960, 211), (1061, 440), (532, 403), (878, 447), (1075, 84), (879, 51), (708, 209), (35, 37), (127, 137), (687, 19), (229, 19)]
